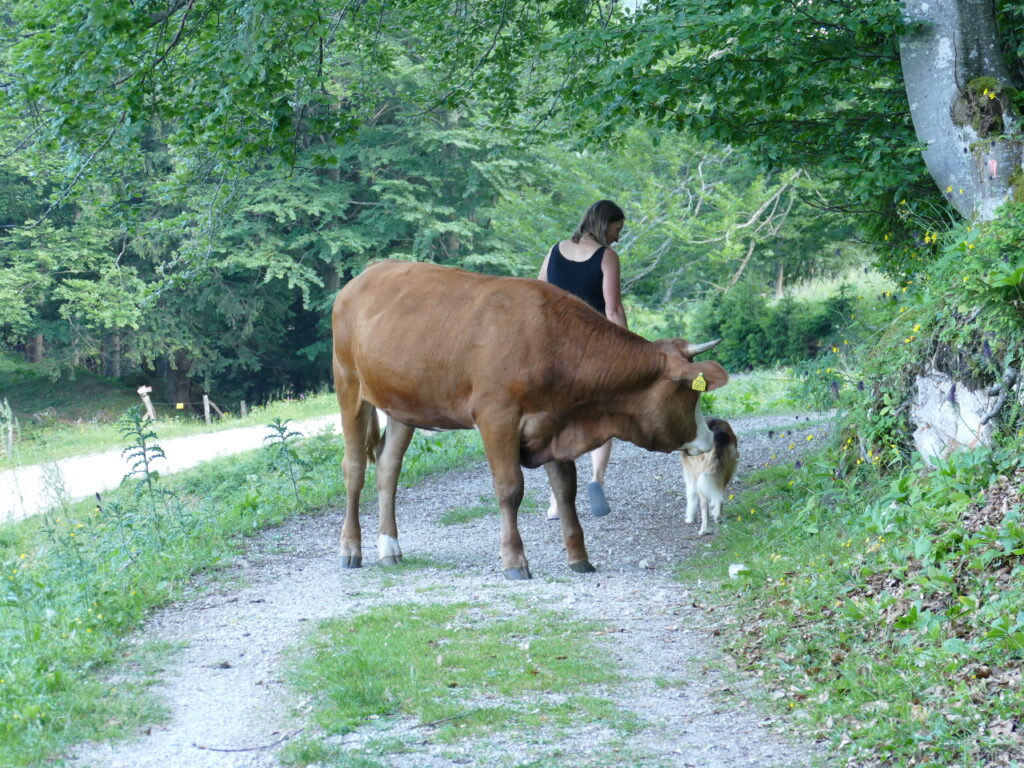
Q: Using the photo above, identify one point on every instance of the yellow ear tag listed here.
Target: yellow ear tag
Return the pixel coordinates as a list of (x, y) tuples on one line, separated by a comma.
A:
[(699, 384)]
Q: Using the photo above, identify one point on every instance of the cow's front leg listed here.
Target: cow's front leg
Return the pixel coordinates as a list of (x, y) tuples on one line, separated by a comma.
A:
[(501, 443), (396, 440), (562, 477)]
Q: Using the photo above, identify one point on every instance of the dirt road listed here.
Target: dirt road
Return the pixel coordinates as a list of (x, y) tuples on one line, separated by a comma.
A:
[(229, 708)]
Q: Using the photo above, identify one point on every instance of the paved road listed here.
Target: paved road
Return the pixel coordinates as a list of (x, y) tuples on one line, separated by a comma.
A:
[(30, 490)]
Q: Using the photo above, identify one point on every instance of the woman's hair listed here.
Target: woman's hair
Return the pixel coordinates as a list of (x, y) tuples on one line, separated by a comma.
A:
[(596, 220)]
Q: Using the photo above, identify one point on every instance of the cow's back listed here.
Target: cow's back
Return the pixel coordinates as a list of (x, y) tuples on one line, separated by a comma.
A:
[(427, 342)]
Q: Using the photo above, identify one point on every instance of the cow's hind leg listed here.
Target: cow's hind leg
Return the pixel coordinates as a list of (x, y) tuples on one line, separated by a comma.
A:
[(355, 421), (501, 443), (389, 466), (562, 476)]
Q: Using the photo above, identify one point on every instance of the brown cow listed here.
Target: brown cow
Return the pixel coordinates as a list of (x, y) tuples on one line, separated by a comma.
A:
[(543, 376)]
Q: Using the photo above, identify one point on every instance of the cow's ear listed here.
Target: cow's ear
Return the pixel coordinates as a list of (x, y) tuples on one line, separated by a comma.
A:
[(703, 377), (714, 374)]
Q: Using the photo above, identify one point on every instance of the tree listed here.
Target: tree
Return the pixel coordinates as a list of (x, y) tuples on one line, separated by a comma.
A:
[(699, 216), (962, 99)]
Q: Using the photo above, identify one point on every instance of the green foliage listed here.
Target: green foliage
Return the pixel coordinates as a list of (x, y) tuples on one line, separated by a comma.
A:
[(960, 305), (757, 334), (882, 592), (764, 392), (819, 90), (884, 599), (697, 215)]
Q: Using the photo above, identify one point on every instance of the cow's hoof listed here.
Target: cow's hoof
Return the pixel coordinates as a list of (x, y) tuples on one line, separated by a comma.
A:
[(582, 566), (518, 574), (598, 503), (391, 560), (351, 561)]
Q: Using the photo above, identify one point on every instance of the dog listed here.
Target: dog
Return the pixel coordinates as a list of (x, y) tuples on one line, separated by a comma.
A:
[(707, 474)]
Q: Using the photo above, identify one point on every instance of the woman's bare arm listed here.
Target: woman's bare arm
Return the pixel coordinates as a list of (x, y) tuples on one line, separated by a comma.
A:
[(611, 288)]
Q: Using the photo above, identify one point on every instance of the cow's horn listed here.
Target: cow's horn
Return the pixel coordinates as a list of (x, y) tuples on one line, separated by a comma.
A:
[(695, 349)]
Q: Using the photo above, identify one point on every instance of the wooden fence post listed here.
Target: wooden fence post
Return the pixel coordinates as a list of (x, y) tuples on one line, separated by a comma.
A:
[(144, 394), (244, 409), (206, 408)]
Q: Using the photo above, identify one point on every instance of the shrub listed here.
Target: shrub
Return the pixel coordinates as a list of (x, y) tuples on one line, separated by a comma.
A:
[(756, 333)]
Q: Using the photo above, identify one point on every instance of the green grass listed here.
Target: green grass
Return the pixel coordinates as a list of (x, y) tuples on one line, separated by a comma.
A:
[(892, 628), (488, 506), (464, 672), (88, 397), (872, 283), (75, 583), (768, 392)]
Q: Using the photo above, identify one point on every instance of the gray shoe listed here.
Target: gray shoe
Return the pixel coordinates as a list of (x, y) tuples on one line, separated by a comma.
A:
[(598, 503)]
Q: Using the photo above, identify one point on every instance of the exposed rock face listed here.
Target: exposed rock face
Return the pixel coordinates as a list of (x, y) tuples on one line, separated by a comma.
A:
[(945, 423)]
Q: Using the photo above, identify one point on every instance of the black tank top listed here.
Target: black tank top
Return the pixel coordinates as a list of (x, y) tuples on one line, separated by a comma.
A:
[(580, 278)]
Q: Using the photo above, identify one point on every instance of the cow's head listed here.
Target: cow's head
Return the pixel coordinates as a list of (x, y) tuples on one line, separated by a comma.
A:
[(683, 425)]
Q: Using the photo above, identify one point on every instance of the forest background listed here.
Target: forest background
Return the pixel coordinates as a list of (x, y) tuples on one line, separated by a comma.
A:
[(185, 186)]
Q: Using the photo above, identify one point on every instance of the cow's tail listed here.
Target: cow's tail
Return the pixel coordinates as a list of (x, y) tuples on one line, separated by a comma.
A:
[(374, 437)]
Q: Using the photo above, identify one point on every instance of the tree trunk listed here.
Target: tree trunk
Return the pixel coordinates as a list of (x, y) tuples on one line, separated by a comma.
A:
[(38, 348), (961, 126), (112, 356), (180, 381), (780, 269)]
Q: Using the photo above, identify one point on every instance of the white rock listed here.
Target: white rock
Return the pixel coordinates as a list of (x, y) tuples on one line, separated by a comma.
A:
[(735, 569)]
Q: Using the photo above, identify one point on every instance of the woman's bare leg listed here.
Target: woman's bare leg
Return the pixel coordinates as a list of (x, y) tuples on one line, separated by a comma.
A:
[(599, 462)]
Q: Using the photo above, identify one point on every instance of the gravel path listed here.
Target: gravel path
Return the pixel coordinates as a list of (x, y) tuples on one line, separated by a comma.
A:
[(224, 690)]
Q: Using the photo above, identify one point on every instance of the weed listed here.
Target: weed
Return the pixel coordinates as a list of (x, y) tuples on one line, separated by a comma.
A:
[(281, 440), (140, 454)]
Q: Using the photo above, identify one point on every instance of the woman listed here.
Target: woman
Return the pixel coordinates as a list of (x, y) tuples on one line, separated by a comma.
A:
[(587, 267)]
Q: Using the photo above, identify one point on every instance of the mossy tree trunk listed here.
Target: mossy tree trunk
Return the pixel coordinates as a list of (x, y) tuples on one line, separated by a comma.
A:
[(956, 84)]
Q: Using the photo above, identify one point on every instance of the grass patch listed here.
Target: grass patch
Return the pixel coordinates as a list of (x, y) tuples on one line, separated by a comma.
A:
[(766, 392), (488, 507), (461, 515), (76, 582), (464, 672), (885, 607)]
